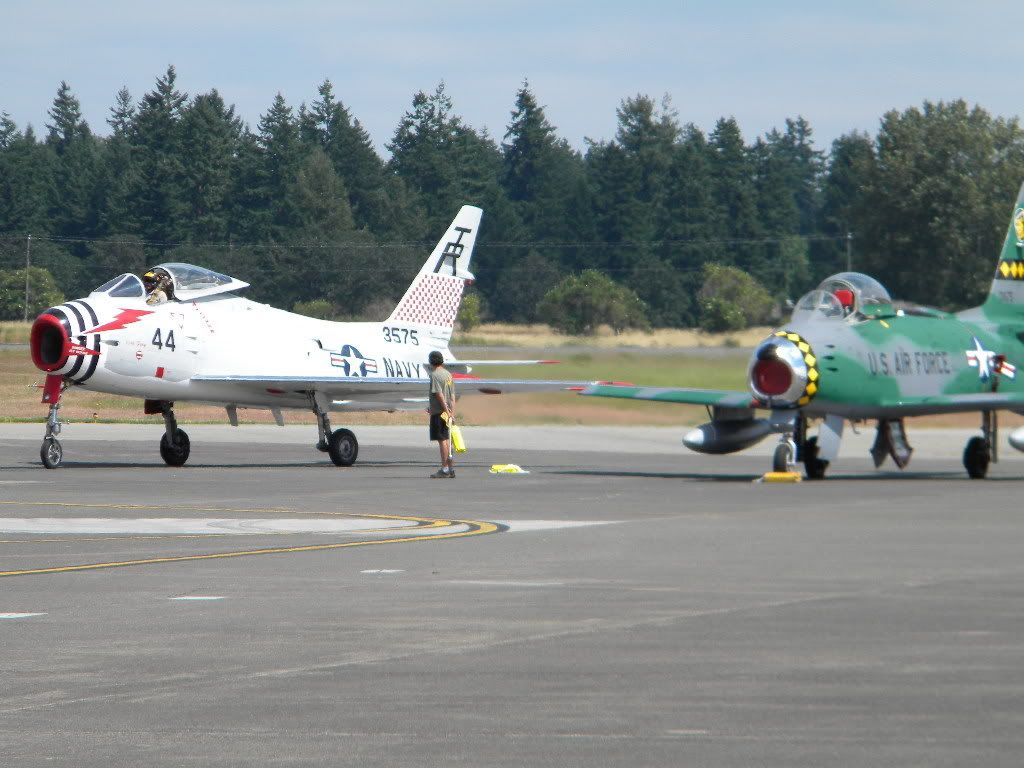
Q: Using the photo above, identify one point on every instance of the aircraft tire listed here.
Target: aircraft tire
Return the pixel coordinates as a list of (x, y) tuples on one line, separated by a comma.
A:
[(51, 453), (976, 458), (782, 459), (814, 466), (177, 454), (343, 447)]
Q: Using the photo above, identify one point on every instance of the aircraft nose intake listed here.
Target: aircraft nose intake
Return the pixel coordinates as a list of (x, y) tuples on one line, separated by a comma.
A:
[(783, 371), (771, 375), (49, 342)]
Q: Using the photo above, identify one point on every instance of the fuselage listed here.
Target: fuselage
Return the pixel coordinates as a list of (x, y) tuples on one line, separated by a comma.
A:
[(900, 363), (131, 348)]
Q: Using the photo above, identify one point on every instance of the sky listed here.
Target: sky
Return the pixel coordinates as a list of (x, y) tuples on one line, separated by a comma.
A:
[(841, 65)]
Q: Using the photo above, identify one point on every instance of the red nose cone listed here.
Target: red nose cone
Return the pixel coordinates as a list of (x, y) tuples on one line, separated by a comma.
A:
[(49, 343), (772, 377)]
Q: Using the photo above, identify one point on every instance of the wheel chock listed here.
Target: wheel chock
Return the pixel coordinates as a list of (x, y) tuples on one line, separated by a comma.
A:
[(780, 477)]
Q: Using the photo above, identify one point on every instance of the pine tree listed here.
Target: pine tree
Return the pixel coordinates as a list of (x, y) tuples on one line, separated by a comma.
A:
[(322, 210), (26, 183), (540, 172), (73, 204), (734, 194), (329, 124), (422, 154), (280, 153), (118, 170), (851, 165), (211, 134), (158, 194), (8, 130)]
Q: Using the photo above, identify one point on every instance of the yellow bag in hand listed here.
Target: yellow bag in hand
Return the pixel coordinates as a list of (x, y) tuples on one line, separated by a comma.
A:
[(457, 442)]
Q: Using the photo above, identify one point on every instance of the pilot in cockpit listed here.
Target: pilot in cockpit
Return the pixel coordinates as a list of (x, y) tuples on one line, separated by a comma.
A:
[(846, 298), (159, 287)]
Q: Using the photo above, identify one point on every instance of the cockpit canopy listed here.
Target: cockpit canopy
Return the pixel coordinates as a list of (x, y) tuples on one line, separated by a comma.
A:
[(189, 282), (122, 286), (847, 294)]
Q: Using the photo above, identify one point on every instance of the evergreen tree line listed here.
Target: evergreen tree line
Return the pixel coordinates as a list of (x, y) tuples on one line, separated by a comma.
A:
[(305, 209)]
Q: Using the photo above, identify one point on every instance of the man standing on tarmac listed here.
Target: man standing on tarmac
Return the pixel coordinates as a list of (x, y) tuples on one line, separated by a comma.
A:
[(442, 412)]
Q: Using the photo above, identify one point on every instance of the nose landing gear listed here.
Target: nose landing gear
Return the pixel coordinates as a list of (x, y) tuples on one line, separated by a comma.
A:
[(51, 453), (784, 458)]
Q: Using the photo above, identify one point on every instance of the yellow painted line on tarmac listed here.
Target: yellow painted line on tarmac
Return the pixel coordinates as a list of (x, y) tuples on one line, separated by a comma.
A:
[(476, 528)]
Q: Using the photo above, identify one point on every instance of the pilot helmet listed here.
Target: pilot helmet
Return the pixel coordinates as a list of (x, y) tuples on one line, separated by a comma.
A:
[(156, 278)]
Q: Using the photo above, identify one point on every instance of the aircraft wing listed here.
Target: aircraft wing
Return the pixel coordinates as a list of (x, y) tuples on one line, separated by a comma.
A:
[(962, 403), (386, 392), (711, 397)]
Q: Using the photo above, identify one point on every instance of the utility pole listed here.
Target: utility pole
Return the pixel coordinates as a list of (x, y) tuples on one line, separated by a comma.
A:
[(28, 263), (849, 251)]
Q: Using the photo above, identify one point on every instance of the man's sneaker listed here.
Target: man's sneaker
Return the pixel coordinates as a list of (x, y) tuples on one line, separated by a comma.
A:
[(451, 474), (439, 474)]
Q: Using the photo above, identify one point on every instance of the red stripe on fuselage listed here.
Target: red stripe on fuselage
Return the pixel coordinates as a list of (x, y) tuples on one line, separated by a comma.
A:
[(124, 317)]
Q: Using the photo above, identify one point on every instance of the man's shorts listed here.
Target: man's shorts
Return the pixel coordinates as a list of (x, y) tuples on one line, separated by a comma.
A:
[(438, 427)]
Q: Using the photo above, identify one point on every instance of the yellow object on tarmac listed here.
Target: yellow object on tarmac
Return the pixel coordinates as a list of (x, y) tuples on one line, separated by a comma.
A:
[(508, 469), (780, 477)]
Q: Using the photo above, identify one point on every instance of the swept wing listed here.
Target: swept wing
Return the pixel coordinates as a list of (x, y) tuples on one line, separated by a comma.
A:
[(388, 392), (711, 397)]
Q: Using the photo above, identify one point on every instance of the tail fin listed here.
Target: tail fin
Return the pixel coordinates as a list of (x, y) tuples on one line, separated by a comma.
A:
[(1007, 293), (433, 298)]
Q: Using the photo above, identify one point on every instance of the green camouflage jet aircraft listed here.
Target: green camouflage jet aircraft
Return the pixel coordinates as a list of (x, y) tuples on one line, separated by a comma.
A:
[(849, 354)]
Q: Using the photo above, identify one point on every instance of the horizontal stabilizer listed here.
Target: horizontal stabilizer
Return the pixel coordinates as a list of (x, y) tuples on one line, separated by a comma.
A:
[(505, 362), (466, 366)]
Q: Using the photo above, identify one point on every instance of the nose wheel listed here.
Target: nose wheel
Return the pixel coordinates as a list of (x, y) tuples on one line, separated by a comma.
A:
[(784, 457), (51, 453)]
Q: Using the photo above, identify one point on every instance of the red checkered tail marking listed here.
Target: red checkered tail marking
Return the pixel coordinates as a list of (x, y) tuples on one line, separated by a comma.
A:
[(433, 298)]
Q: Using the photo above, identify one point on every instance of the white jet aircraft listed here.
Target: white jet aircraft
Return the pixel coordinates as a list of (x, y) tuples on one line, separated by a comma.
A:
[(206, 344)]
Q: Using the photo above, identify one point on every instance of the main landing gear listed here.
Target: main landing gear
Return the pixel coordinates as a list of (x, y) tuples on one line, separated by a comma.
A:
[(341, 444), (981, 450), (174, 443)]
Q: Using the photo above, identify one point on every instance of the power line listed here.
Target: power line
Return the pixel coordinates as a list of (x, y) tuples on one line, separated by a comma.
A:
[(541, 244)]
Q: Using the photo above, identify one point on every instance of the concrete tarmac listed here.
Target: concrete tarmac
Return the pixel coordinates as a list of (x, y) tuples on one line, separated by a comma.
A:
[(626, 603)]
